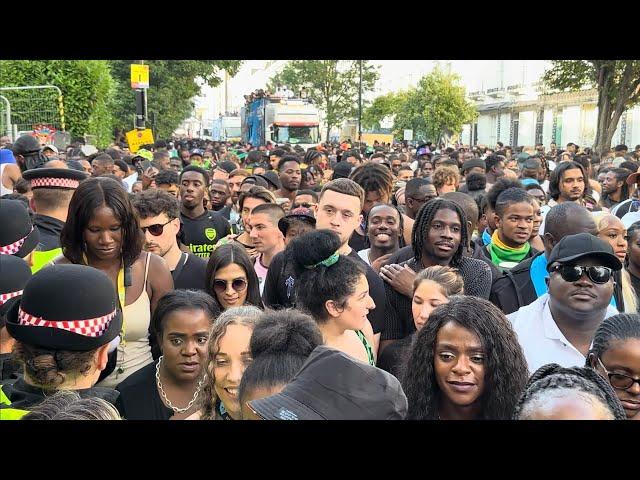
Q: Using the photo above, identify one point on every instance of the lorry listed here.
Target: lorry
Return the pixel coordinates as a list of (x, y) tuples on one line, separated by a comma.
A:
[(226, 128), (280, 120)]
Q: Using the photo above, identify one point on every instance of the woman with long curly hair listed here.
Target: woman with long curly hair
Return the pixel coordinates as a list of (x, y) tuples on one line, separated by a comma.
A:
[(465, 364), (228, 356)]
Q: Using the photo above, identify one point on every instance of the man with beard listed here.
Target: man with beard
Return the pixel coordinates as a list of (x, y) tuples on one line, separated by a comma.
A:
[(439, 237), (159, 214), (202, 228), (559, 326), (614, 187), (290, 177), (28, 153)]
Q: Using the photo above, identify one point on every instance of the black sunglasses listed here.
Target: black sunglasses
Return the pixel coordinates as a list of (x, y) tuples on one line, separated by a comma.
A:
[(238, 284), (573, 273), (156, 229)]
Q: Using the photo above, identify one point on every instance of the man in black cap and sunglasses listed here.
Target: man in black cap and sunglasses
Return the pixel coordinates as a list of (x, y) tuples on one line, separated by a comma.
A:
[(559, 326)]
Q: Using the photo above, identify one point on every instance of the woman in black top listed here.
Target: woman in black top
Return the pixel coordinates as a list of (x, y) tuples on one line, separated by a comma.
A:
[(432, 287), (465, 364), (169, 387)]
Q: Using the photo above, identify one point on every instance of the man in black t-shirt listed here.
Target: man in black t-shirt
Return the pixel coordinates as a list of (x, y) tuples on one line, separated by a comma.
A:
[(159, 214), (201, 228), (338, 209)]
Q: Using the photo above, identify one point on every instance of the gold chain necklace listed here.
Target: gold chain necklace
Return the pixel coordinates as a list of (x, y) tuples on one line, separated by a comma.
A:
[(164, 395)]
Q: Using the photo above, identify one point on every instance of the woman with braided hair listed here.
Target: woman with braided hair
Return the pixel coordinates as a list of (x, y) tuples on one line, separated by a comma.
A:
[(615, 354), (576, 393), (334, 290), (465, 364), (377, 182)]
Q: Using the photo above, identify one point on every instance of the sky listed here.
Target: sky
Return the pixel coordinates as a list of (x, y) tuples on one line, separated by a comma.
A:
[(395, 75)]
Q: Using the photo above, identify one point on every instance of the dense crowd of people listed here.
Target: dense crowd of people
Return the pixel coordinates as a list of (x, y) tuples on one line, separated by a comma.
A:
[(203, 280)]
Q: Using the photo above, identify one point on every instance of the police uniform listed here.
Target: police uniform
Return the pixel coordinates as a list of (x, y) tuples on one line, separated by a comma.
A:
[(71, 308), (14, 275), (49, 227)]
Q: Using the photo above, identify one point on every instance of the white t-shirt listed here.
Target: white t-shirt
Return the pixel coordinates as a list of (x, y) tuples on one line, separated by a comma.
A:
[(364, 254), (540, 338)]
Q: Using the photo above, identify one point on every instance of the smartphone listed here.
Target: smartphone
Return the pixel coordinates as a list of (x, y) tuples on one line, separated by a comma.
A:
[(145, 165)]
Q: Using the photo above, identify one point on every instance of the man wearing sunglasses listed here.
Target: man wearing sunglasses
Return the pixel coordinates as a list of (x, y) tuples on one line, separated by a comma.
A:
[(159, 214), (559, 326)]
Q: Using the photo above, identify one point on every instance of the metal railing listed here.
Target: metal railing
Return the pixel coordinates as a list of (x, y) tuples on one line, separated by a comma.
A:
[(24, 108)]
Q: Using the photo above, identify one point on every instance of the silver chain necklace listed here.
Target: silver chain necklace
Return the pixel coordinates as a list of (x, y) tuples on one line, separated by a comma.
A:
[(164, 395)]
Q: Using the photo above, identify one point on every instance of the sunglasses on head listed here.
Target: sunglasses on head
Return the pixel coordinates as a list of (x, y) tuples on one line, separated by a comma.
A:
[(573, 273), (156, 229), (238, 284)]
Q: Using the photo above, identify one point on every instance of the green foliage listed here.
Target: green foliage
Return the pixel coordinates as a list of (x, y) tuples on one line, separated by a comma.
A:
[(617, 82), (172, 86), (332, 84), (382, 107), (86, 87), (436, 107)]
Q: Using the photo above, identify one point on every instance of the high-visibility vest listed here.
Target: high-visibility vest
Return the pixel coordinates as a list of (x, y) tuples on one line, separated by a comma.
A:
[(40, 259), (9, 413)]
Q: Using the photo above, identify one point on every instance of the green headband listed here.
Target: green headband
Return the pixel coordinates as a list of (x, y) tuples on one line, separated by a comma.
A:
[(327, 262)]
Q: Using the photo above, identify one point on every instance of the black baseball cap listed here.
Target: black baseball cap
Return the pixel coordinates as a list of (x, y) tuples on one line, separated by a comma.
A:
[(475, 162), (299, 213), (574, 247), (331, 385), (271, 177)]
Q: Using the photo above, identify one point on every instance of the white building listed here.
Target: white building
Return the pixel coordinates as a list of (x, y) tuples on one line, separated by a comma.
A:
[(515, 109)]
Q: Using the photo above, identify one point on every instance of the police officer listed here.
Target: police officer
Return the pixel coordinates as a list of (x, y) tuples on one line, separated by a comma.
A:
[(52, 191), (64, 326), (14, 275), (18, 236)]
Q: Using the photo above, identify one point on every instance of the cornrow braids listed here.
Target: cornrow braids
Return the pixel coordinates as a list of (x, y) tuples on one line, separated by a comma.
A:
[(422, 224), (554, 377), (401, 243), (618, 327), (373, 177)]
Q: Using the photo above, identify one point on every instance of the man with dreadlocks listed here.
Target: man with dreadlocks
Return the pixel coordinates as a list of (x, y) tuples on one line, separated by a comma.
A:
[(439, 237), (577, 393), (377, 183), (615, 354)]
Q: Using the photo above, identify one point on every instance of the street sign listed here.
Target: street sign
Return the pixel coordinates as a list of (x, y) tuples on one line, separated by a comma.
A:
[(408, 135), (137, 138), (139, 76)]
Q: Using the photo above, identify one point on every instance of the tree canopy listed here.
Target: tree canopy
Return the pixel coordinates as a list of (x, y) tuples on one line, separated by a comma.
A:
[(436, 107), (617, 82)]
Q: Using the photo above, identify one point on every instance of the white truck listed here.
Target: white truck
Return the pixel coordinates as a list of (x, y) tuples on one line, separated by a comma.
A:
[(226, 129), (279, 121)]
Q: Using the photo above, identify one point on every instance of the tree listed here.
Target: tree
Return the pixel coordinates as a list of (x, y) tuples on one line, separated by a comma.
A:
[(382, 107), (172, 86), (436, 108), (618, 85), (86, 85), (332, 85)]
